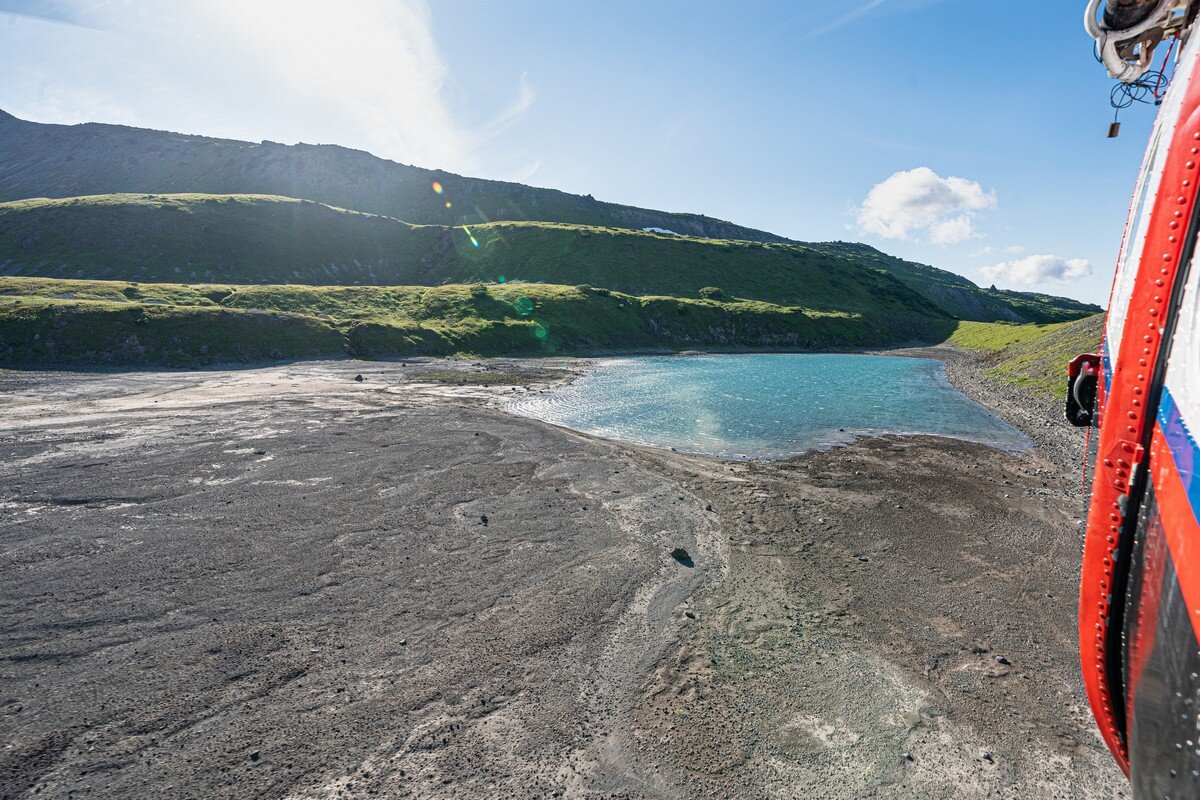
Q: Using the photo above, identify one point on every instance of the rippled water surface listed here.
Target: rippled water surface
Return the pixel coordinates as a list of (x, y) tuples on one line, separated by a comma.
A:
[(767, 406)]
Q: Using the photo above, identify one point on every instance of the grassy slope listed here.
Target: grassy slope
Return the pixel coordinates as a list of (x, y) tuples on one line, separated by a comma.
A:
[(1032, 356), (256, 239), (49, 321)]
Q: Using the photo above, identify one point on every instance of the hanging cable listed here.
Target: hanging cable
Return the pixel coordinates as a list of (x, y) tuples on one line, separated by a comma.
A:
[(1147, 89)]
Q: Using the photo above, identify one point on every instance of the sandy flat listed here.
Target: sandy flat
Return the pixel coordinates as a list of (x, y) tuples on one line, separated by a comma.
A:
[(284, 583)]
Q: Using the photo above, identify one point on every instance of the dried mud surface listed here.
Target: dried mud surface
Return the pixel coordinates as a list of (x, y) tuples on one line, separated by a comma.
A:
[(286, 583)]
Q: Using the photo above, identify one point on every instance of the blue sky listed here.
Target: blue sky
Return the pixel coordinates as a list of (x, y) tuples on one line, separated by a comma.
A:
[(818, 120)]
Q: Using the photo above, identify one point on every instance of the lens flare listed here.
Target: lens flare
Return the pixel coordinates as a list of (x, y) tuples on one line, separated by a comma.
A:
[(501, 279), (471, 236), (524, 306), (448, 204), (437, 188), (540, 331)]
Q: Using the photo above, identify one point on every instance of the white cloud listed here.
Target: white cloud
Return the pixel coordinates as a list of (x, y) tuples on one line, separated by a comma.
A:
[(951, 231), (919, 201), (1014, 250), (1033, 270)]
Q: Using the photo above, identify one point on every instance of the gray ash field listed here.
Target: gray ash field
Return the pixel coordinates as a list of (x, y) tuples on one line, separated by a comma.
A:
[(285, 583)]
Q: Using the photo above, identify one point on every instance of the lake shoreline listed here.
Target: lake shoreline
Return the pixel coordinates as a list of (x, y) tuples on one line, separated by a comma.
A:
[(1039, 417), (799, 403)]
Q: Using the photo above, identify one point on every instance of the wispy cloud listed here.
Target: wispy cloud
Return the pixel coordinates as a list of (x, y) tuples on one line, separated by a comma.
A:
[(821, 17), (524, 100), (59, 12), (991, 250), (376, 64), (526, 172), (846, 18), (369, 74)]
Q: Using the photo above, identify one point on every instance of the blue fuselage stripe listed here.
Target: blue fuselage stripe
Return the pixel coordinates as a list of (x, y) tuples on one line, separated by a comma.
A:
[(1106, 365), (1183, 447)]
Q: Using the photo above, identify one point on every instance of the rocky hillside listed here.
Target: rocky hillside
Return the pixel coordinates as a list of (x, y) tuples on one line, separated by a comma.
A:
[(38, 160)]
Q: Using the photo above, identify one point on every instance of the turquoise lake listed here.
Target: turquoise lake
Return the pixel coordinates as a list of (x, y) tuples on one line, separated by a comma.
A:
[(767, 406)]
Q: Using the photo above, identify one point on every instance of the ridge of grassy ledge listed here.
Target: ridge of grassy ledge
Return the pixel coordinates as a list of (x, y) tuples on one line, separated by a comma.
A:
[(1033, 357), (47, 321)]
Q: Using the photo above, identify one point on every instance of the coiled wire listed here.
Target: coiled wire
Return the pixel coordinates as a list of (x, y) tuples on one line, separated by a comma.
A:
[(1148, 89)]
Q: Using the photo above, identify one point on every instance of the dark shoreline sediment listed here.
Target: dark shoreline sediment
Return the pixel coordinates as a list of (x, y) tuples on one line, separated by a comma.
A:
[(283, 582)]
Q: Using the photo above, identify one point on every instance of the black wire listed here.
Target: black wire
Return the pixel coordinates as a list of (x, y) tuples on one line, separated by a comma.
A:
[(1147, 89)]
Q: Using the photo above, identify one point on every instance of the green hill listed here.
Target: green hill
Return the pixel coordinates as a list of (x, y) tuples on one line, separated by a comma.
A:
[(260, 239), (249, 239)]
